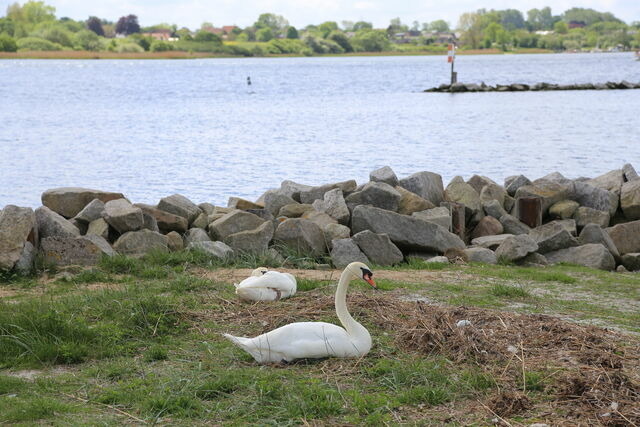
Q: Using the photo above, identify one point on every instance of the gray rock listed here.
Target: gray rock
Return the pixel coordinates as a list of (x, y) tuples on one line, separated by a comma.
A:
[(195, 235), (81, 226), (315, 193), (512, 225), (621, 269), (553, 177), (207, 208), (99, 227), (596, 198), (252, 241), (335, 231), (69, 201), (384, 174), (592, 255), (301, 235), (233, 222), (630, 199), (533, 260), (405, 231), (51, 224), (479, 254), (440, 216), (626, 236), (123, 216), (334, 205), (437, 260), (91, 212), (275, 200), (149, 222), (630, 173), (516, 247), (166, 221), (25, 264), (217, 250), (493, 192), (295, 210), (630, 261), (493, 208), (376, 194), (585, 215), (202, 221), (552, 237), (427, 185), (262, 213), (85, 250), (593, 233), (490, 242), (378, 248), (488, 226), (610, 181), (569, 225), (174, 241), (345, 251), (462, 192), (321, 219), (242, 204), (17, 227), (563, 209), (478, 182), (512, 184), (293, 189), (139, 243), (550, 192), (411, 202), (179, 205)]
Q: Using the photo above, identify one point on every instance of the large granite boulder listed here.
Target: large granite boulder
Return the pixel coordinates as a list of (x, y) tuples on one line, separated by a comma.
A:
[(315, 193), (376, 194), (69, 201), (631, 261), (242, 204), (333, 205), (592, 255), (139, 243), (166, 221), (493, 191), (563, 209), (233, 222), (593, 233), (345, 251), (610, 181), (175, 242), (585, 215), (254, 241), (490, 242), (321, 219), (378, 248), (149, 222), (596, 198), (179, 205), (550, 192), (84, 250), (219, 250), (630, 199), (207, 208), (384, 174), (123, 216), (630, 173), (479, 254), (512, 183), (626, 236), (516, 247), (440, 216), (301, 235), (494, 209), (488, 226), (478, 182), (17, 227), (411, 202), (91, 212), (293, 189), (275, 200), (552, 237), (202, 221), (512, 225), (52, 224), (195, 235), (99, 227), (296, 210), (27, 259), (427, 185), (461, 192), (335, 231), (405, 231)]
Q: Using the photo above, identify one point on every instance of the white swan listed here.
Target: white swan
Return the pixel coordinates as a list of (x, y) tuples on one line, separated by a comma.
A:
[(315, 339), (265, 285)]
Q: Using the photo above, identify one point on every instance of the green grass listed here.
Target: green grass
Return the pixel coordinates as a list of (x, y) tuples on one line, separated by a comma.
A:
[(500, 290)]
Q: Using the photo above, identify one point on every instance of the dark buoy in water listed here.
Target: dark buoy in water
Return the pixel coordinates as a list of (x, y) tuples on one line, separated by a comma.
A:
[(249, 91), (248, 81)]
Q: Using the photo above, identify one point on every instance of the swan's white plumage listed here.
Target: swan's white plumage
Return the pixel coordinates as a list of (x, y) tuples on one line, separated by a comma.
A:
[(313, 339), (265, 285)]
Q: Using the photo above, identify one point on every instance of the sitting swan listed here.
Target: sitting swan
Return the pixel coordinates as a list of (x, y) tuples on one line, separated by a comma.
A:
[(315, 339), (265, 285)]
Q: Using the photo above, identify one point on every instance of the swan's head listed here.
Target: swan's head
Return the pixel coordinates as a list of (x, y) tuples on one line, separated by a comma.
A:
[(360, 270), (259, 271)]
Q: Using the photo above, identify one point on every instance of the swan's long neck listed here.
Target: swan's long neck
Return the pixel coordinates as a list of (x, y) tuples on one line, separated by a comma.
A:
[(353, 328)]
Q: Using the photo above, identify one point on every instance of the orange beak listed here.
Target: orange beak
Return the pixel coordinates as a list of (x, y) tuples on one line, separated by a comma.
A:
[(369, 280)]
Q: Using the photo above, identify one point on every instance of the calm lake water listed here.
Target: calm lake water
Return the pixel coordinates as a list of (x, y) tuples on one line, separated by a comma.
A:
[(153, 128)]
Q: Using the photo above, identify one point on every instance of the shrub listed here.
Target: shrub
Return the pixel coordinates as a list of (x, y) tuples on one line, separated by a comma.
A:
[(36, 43), (285, 46), (87, 40), (7, 43), (129, 48), (160, 46), (206, 36), (237, 50), (56, 35)]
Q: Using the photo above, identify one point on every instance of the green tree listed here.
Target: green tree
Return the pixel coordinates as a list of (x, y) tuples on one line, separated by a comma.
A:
[(326, 28), (7, 43), (540, 19), (561, 27), (588, 16), (511, 19), (341, 39), (7, 26), (94, 24), (87, 40), (439, 25), (277, 23), (370, 41), (362, 25), (30, 14), (292, 33), (264, 34), (206, 36), (471, 26), (128, 25), (492, 31)]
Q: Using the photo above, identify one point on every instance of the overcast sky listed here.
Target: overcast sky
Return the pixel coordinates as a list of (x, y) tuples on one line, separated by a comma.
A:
[(192, 13)]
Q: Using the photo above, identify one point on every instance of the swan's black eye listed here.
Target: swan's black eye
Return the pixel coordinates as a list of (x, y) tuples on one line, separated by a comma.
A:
[(366, 273)]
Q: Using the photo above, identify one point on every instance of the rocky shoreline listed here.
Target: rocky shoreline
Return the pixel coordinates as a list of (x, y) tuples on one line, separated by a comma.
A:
[(520, 87), (593, 222)]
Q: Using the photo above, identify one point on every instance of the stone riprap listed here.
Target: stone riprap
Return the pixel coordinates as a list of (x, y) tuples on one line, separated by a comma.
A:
[(588, 221), (520, 87)]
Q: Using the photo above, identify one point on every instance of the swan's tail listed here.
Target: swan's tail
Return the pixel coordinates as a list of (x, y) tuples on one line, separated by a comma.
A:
[(236, 285), (244, 344)]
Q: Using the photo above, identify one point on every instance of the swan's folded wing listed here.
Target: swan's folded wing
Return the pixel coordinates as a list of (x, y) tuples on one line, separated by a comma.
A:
[(276, 281)]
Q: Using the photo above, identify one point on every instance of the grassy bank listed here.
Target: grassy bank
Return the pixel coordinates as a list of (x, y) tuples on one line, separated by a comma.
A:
[(84, 54), (139, 341)]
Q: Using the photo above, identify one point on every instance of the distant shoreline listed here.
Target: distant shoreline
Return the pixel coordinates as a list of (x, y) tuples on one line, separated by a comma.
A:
[(84, 54)]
